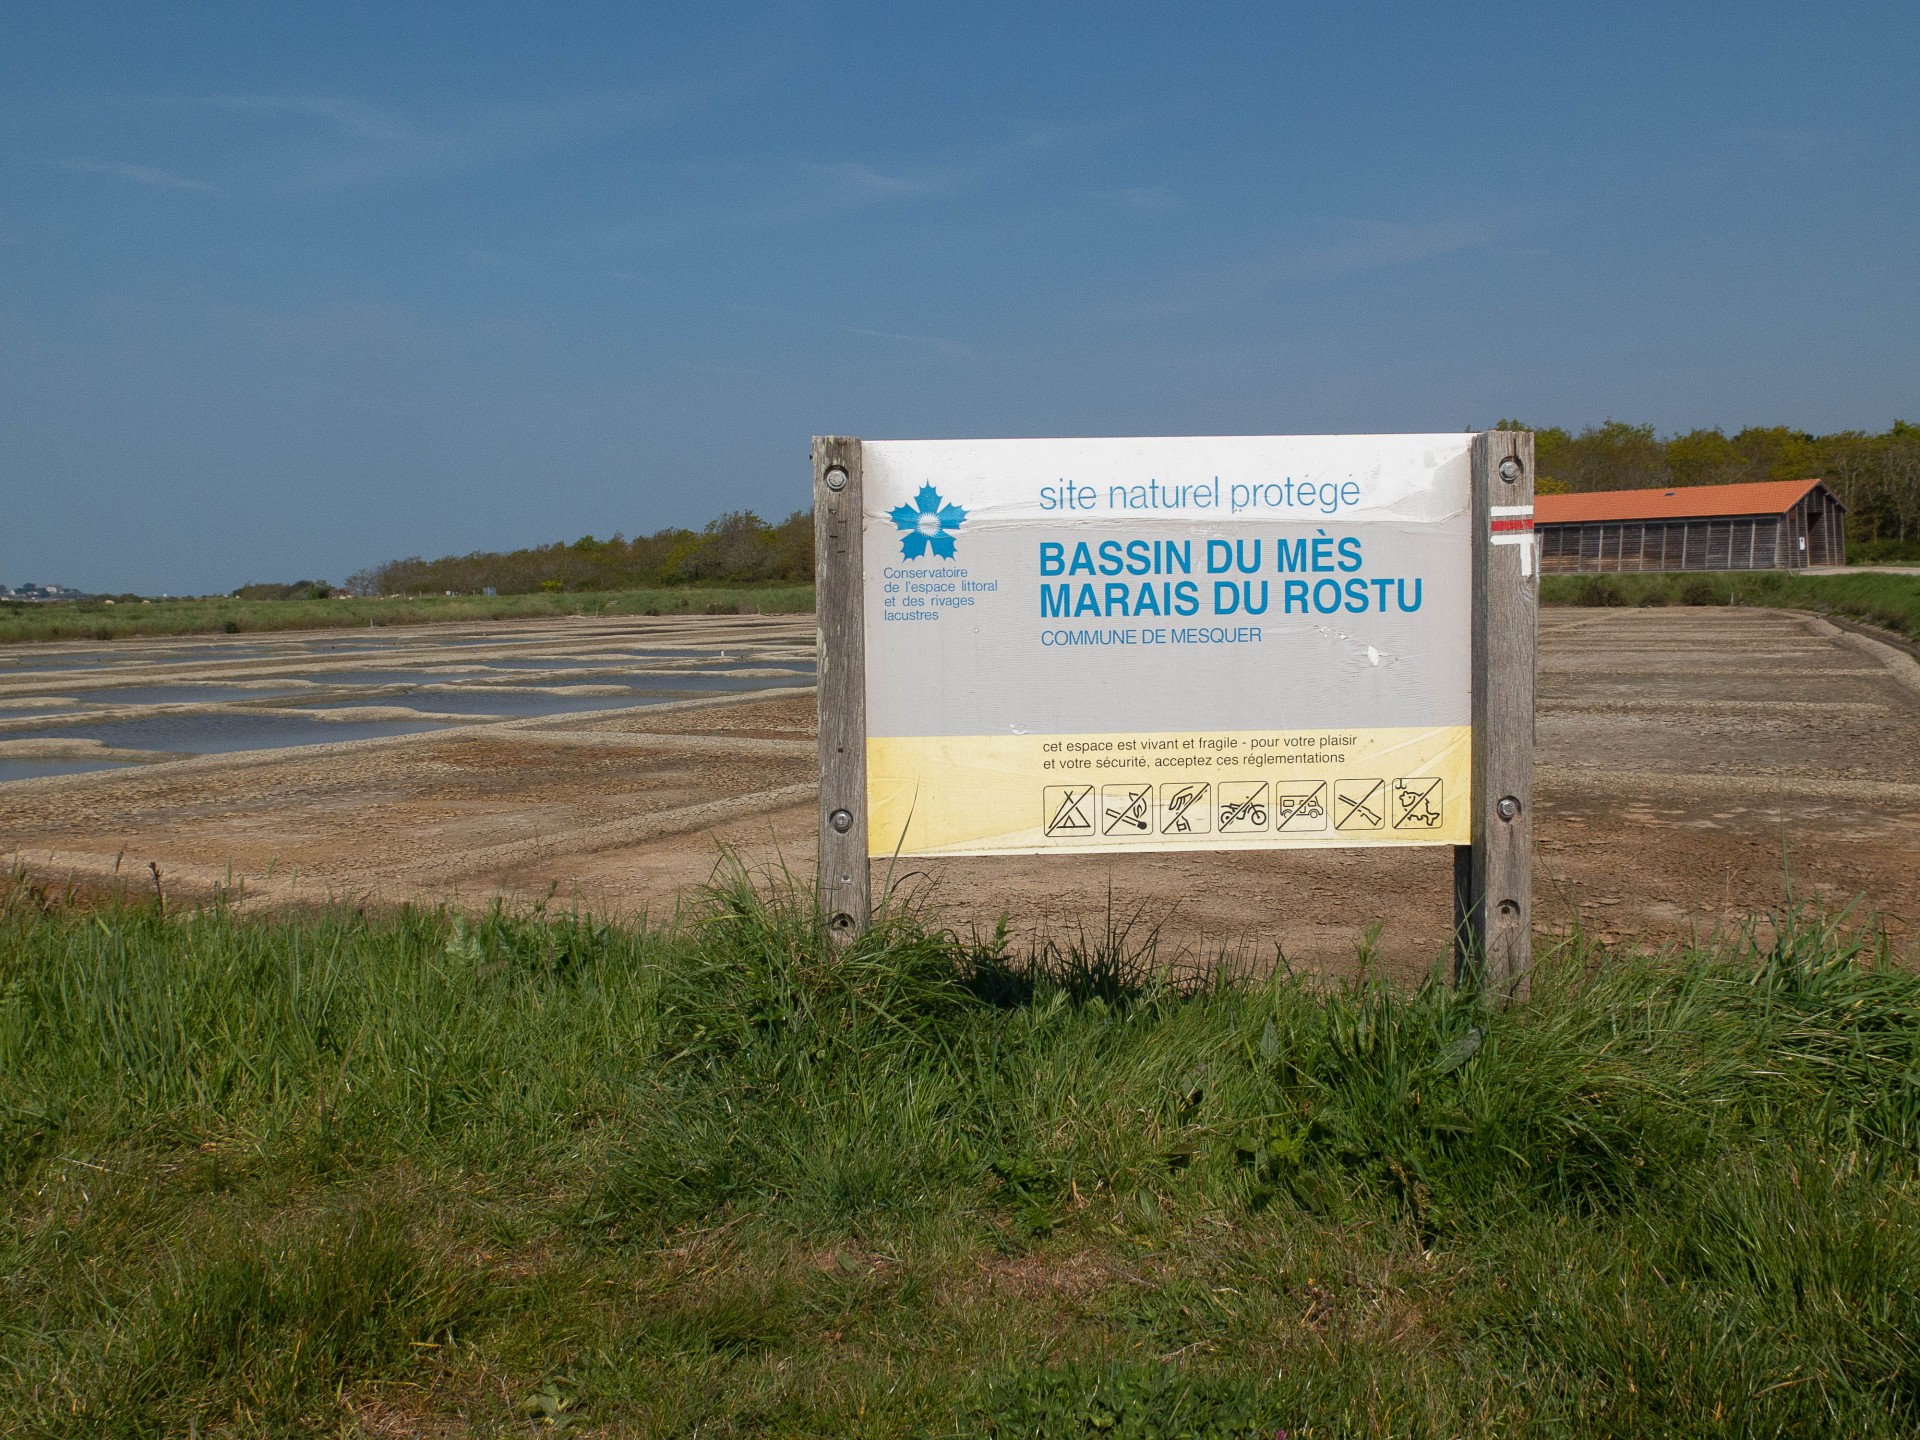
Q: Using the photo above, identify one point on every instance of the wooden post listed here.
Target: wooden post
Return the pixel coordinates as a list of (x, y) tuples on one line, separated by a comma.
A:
[(845, 878), (1493, 877)]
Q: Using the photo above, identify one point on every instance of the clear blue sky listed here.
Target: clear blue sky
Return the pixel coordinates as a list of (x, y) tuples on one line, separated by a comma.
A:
[(293, 289)]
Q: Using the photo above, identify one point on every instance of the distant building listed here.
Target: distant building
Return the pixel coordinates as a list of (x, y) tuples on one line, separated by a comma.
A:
[(1769, 525), (31, 591)]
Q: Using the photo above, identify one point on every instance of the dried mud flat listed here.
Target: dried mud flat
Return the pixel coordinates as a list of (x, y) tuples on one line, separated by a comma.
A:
[(1694, 766)]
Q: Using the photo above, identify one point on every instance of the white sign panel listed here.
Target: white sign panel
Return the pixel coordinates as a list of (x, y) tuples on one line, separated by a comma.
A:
[(1153, 644)]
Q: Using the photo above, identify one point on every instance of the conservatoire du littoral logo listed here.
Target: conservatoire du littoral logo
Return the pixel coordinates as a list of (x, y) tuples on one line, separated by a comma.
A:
[(929, 524)]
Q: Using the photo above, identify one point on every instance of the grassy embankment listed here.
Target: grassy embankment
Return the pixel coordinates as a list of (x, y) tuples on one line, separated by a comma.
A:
[(1891, 602), (93, 620), (330, 1173)]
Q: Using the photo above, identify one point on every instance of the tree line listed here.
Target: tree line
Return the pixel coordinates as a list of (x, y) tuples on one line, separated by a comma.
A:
[(1877, 477), (738, 548)]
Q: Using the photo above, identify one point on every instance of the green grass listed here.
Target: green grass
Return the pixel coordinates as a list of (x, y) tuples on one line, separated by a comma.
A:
[(1891, 602), (96, 620), (336, 1174)]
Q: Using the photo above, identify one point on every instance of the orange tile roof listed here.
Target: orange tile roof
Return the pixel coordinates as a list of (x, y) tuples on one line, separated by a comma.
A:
[(1764, 497)]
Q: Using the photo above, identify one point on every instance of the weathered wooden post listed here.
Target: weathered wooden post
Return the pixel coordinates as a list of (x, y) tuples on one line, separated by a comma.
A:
[(845, 876), (1493, 876)]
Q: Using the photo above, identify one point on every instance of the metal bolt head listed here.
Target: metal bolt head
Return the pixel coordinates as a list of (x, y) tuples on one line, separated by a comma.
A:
[(841, 820), (836, 478), (1506, 807), (1511, 470)]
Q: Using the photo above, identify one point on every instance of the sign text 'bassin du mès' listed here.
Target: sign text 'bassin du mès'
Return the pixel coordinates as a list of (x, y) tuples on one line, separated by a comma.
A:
[(1230, 643)]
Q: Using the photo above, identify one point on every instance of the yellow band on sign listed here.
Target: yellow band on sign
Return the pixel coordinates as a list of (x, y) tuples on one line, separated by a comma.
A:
[(1232, 790)]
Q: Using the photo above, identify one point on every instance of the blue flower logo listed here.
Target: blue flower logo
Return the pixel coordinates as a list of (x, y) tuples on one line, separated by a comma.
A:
[(929, 524)]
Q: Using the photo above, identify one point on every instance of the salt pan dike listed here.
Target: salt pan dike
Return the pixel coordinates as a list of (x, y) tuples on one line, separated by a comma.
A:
[(76, 707)]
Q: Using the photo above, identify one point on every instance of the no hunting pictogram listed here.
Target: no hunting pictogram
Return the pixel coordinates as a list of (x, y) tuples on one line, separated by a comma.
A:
[(1359, 804)]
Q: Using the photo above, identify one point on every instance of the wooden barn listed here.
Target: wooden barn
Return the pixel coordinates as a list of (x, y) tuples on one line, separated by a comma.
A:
[(1770, 525)]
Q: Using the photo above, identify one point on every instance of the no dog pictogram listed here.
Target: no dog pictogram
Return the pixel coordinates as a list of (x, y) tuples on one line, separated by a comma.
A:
[(1419, 803)]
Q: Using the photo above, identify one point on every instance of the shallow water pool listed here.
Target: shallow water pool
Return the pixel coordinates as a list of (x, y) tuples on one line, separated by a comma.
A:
[(225, 731), (34, 769)]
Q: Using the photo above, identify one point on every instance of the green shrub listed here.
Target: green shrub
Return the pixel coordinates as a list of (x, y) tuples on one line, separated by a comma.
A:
[(1883, 552)]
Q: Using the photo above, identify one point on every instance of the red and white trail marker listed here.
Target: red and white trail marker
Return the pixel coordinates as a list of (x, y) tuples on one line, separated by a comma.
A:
[(1513, 525)]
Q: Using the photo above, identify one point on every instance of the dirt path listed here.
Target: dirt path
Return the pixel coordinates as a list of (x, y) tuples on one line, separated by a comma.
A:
[(1694, 765)]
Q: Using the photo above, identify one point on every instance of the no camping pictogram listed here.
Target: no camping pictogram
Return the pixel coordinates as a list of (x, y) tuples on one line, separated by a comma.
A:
[(1419, 803), (1067, 810), (1300, 805), (1126, 809), (1184, 809), (1243, 807), (1359, 804)]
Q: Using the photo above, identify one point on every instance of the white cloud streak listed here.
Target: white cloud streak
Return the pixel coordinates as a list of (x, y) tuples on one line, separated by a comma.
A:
[(857, 182), (951, 349), (342, 142), (149, 175), (861, 179), (1358, 247)]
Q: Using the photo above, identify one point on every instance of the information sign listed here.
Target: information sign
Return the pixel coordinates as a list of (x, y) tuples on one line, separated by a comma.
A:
[(1109, 645), (1166, 644)]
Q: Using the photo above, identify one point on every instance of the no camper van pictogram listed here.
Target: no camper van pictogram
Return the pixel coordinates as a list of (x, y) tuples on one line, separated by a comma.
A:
[(1300, 804)]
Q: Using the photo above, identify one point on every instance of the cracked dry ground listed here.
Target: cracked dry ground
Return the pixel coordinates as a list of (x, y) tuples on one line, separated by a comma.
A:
[(1693, 766)]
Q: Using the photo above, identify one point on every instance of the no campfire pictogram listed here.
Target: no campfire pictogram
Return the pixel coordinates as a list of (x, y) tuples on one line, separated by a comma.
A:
[(1124, 809)]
